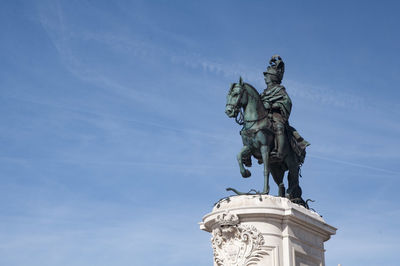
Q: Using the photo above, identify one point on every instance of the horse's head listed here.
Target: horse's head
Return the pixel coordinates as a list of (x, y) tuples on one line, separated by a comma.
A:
[(235, 99)]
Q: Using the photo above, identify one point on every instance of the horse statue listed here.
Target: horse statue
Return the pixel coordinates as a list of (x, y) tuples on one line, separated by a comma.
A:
[(243, 100)]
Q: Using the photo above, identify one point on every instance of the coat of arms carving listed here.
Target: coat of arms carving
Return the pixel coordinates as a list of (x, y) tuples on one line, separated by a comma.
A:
[(235, 244)]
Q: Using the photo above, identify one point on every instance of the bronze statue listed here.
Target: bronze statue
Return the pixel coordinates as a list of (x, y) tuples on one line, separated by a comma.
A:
[(266, 133)]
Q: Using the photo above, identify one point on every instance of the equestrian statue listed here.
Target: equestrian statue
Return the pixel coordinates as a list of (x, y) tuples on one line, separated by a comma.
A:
[(266, 133)]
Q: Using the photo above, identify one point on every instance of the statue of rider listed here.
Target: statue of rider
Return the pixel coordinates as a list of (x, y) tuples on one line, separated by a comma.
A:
[(277, 102)]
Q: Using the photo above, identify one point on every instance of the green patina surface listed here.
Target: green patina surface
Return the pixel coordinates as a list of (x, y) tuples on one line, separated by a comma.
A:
[(266, 133)]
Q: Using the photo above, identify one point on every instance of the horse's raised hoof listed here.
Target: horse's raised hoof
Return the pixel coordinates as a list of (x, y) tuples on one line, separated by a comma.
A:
[(246, 173)]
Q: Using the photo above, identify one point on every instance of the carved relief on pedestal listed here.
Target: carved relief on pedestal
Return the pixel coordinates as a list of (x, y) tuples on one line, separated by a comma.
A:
[(235, 244)]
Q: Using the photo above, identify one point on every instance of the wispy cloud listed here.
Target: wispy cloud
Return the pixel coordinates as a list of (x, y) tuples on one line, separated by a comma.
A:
[(63, 36), (354, 164)]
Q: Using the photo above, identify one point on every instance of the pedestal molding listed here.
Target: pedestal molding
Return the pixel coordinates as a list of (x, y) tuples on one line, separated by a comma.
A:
[(271, 231)]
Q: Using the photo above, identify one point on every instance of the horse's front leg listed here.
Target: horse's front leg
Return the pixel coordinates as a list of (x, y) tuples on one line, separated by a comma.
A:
[(245, 151), (265, 157)]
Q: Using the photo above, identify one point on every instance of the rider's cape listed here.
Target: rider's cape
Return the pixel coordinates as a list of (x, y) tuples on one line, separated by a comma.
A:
[(278, 96), (297, 143)]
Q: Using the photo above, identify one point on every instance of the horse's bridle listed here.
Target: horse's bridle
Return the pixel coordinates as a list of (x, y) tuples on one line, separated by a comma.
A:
[(240, 117), (236, 107)]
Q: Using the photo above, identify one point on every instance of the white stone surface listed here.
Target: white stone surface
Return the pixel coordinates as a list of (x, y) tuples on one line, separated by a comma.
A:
[(266, 230)]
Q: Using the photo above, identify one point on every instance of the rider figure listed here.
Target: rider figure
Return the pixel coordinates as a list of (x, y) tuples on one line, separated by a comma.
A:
[(277, 102)]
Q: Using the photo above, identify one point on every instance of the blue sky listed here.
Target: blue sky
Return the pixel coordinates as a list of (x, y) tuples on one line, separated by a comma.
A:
[(115, 142)]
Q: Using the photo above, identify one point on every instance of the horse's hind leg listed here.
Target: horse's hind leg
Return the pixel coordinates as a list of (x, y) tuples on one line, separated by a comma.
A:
[(245, 151), (294, 189), (278, 174)]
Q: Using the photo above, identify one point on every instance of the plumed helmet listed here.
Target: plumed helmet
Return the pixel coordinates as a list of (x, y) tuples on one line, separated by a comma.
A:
[(276, 67)]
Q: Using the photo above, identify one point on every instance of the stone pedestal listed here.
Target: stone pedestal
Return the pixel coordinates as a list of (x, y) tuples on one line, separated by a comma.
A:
[(266, 230)]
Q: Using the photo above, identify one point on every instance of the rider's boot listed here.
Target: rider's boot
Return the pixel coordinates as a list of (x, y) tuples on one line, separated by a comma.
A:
[(280, 140)]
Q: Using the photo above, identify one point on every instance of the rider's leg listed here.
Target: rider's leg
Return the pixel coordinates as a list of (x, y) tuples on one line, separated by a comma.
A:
[(279, 128)]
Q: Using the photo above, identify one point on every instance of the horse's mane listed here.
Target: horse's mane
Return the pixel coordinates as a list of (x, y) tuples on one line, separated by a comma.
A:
[(252, 91)]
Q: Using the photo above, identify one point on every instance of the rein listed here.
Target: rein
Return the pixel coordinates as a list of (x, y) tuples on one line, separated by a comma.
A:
[(254, 121)]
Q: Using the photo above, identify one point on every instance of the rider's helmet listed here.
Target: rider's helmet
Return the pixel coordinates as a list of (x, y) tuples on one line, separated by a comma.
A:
[(276, 68)]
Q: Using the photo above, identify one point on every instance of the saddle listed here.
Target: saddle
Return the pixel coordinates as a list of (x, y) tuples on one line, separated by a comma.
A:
[(296, 142)]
